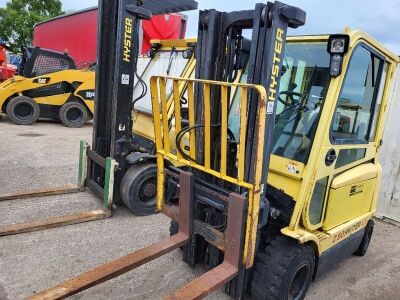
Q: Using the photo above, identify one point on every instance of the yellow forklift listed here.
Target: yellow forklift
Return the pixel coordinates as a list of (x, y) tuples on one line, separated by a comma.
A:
[(278, 185)]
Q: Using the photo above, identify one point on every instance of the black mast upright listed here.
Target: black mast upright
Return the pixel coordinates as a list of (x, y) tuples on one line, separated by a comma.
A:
[(118, 50)]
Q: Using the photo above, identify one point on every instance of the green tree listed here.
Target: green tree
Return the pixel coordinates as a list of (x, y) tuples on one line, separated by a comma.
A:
[(19, 16)]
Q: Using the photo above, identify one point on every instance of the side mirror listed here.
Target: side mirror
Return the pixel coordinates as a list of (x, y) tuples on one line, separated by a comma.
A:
[(338, 45)]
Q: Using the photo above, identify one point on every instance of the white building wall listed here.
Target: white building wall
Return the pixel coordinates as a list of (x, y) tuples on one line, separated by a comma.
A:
[(389, 158)]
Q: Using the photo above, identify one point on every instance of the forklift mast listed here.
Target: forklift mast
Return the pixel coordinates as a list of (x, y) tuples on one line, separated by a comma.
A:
[(220, 57), (118, 50)]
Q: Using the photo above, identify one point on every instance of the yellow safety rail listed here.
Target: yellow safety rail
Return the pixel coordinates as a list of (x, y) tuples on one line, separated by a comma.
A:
[(163, 132)]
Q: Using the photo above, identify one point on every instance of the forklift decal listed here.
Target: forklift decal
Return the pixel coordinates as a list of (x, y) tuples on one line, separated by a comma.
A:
[(349, 231), (280, 36), (128, 40), (125, 79), (356, 189)]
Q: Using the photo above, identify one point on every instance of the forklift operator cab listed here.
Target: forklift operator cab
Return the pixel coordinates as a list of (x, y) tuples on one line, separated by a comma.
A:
[(315, 133)]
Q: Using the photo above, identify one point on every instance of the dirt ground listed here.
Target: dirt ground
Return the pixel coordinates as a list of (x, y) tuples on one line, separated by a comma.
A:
[(45, 155)]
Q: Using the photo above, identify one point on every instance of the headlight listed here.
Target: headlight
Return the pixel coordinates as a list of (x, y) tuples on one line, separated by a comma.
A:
[(336, 65), (338, 44)]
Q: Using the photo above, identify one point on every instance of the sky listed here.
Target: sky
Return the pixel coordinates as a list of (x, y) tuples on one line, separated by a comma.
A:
[(380, 19)]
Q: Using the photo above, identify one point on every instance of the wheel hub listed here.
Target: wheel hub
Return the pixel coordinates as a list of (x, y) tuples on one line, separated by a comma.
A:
[(24, 110), (74, 115), (298, 283), (149, 189)]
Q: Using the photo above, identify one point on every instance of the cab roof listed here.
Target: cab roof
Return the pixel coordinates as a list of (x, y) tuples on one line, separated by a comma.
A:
[(355, 36)]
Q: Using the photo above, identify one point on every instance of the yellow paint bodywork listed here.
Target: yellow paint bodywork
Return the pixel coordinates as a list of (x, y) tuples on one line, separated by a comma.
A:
[(343, 214), (18, 85), (358, 174), (348, 202)]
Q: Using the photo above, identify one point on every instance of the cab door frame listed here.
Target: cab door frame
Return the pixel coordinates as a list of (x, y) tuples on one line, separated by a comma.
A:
[(316, 168)]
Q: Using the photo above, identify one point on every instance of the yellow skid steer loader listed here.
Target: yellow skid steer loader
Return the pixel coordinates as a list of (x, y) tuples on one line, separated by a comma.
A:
[(49, 86)]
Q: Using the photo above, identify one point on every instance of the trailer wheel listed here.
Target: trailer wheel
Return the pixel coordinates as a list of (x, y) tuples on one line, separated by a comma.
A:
[(73, 114), (23, 110), (283, 270), (139, 189), (363, 248)]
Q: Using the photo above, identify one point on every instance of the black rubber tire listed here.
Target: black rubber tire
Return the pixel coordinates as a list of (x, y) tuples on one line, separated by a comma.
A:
[(284, 267), (73, 114), (363, 248), (132, 190), (23, 110)]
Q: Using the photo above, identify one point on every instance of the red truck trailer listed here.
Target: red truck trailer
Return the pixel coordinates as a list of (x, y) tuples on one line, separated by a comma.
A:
[(77, 33)]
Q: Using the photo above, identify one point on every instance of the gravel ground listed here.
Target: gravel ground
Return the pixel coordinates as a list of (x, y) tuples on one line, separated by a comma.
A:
[(45, 155)]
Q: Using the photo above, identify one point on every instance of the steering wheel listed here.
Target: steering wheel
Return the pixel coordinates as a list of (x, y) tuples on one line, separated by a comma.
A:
[(291, 95)]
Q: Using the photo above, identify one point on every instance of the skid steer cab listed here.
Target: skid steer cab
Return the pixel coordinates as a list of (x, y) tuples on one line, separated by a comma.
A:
[(48, 86)]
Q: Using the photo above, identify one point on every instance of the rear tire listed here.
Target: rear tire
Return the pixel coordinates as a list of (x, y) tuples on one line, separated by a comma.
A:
[(23, 110), (283, 270), (363, 248), (139, 189), (73, 114)]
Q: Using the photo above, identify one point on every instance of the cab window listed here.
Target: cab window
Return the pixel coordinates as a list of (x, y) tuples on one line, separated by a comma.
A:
[(303, 87), (353, 120)]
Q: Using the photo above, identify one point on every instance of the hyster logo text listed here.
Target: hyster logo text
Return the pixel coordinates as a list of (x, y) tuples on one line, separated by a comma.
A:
[(276, 61), (128, 40)]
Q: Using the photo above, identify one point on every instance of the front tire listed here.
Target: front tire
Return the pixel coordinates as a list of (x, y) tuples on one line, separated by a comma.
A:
[(283, 270), (73, 114), (139, 189), (23, 110)]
